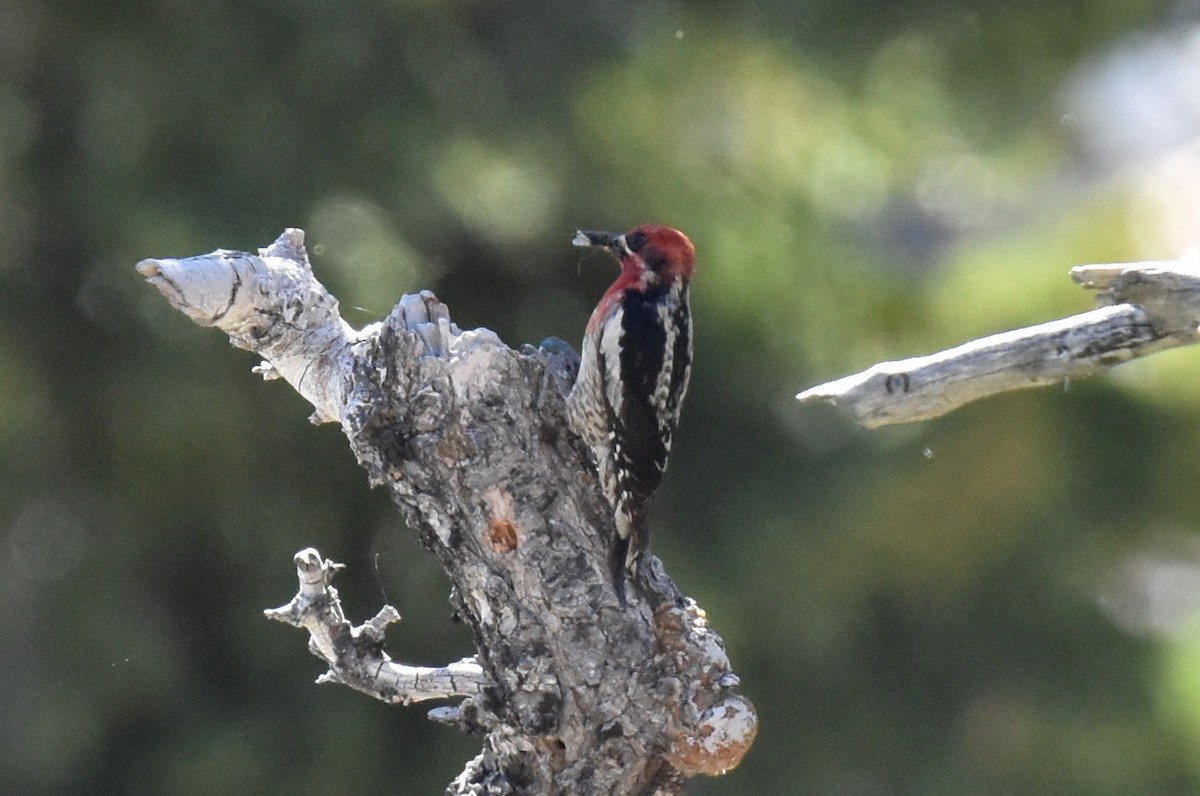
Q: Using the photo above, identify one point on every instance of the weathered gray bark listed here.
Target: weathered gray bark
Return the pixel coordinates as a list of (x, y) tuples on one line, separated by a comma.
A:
[(1154, 306), (582, 695)]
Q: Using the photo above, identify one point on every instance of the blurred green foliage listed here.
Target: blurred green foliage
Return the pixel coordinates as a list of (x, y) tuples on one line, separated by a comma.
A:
[(997, 602)]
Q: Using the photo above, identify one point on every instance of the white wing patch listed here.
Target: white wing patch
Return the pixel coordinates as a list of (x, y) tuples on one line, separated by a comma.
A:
[(661, 398), (610, 346)]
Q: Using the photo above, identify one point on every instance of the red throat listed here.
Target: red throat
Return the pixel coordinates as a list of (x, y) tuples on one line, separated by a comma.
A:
[(669, 248)]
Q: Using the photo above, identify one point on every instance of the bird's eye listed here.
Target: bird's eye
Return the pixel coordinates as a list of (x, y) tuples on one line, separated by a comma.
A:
[(635, 241)]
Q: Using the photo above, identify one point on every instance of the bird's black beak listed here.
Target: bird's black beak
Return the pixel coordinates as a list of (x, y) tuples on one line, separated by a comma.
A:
[(603, 240)]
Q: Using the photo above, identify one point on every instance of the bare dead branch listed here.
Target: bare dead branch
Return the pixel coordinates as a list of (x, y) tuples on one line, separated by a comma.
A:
[(1152, 307), (355, 653)]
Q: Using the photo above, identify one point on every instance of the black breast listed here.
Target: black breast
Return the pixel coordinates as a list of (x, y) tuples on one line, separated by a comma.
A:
[(642, 447)]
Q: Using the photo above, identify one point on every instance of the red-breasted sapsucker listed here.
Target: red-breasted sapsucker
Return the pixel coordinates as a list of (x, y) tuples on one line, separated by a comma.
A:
[(633, 373)]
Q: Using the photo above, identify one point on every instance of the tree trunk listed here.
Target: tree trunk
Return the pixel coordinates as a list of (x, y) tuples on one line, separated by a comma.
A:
[(576, 694)]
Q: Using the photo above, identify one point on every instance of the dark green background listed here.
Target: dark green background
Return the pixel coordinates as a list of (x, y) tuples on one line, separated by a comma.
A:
[(997, 602)]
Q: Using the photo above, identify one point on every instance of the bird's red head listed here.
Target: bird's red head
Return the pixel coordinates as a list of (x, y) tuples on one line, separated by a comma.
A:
[(649, 254)]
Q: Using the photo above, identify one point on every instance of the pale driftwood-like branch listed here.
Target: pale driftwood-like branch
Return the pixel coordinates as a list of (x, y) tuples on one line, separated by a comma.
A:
[(1154, 306), (355, 654), (270, 304), (580, 694)]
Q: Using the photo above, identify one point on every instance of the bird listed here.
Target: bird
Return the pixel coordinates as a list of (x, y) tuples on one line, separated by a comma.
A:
[(635, 363)]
